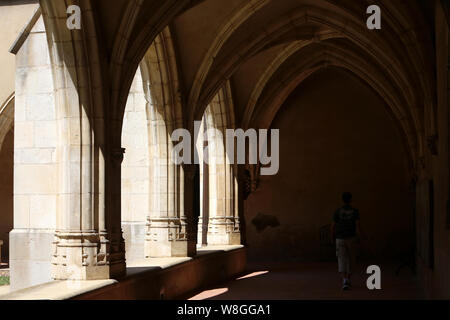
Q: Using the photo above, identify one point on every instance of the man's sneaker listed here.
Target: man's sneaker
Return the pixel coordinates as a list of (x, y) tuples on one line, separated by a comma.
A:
[(346, 285)]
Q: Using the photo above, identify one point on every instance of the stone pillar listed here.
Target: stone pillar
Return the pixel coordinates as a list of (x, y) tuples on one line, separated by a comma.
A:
[(35, 163), (191, 205), (167, 225), (167, 234), (223, 227), (203, 219), (135, 171), (116, 252), (166, 229), (85, 245), (88, 241)]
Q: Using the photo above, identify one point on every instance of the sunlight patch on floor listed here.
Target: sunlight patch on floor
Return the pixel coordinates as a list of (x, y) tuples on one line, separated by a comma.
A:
[(209, 294)]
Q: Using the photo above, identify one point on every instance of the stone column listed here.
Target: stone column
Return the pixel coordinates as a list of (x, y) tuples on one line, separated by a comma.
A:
[(191, 205), (166, 234), (223, 227), (88, 241), (35, 163), (203, 219), (167, 224), (135, 171), (112, 215)]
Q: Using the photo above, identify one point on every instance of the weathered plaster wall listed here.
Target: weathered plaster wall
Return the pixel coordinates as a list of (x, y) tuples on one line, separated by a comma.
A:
[(335, 136)]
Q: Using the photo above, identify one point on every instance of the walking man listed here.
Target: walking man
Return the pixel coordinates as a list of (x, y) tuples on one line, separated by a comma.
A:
[(345, 229)]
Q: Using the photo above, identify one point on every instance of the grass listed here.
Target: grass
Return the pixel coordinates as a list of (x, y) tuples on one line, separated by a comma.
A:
[(4, 281)]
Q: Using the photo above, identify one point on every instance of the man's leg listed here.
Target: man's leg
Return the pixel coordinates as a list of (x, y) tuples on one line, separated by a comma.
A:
[(343, 259), (347, 265), (351, 249)]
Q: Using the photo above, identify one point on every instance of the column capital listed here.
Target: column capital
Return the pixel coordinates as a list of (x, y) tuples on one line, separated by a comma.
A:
[(117, 155)]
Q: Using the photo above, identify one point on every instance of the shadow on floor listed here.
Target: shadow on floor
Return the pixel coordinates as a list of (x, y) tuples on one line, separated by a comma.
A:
[(318, 281)]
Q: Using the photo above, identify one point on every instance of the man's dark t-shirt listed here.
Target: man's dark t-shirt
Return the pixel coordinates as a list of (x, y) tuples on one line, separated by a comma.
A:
[(345, 222)]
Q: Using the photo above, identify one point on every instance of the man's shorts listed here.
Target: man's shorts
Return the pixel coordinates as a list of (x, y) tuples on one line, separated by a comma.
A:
[(346, 254)]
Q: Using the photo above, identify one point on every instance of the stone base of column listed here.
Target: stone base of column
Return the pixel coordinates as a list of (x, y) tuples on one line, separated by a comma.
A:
[(167, 237), (224, 231), (85, 256), (75, 272), (231, 238), (117, 267), (166, 249), (115, 256), (30, 257)]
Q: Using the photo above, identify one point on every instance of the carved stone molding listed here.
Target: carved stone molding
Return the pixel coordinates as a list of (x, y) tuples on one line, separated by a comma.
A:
[(224, 230), (175, 229), (224, 225), (117, 155), (80, 255)]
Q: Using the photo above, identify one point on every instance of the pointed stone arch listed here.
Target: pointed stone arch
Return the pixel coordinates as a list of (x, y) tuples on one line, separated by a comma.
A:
[(6, 118), (219, 223), (346, 25), (168, 232), (282, 84)]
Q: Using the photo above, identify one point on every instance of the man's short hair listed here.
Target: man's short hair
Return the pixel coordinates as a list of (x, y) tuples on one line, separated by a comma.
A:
[(346, 197)]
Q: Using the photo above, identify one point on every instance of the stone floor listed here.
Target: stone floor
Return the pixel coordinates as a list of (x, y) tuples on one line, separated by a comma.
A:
[(296, 281), (4, 289)]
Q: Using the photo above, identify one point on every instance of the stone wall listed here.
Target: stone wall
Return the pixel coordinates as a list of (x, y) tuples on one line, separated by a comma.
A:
[(335, 136)]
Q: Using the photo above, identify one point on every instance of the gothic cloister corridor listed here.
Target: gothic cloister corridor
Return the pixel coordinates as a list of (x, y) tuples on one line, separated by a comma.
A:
[(224, 150)]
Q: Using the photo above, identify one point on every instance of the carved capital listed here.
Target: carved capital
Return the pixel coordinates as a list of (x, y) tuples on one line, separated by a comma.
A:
[(117, 155)]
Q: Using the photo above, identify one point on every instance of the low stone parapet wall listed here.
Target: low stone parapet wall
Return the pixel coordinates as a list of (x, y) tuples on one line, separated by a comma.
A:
[(159, 278)]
